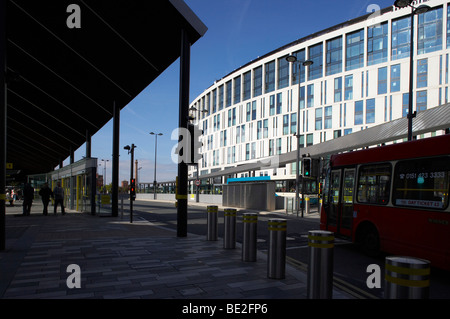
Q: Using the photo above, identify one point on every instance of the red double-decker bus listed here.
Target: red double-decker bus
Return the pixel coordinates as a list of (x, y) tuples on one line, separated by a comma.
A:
[(392, 198)]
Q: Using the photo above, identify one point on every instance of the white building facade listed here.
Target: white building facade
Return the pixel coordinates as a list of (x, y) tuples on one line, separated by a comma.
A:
[(359, 79)]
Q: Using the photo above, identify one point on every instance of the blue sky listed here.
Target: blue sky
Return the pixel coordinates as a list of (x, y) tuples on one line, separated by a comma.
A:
[(239, 31)]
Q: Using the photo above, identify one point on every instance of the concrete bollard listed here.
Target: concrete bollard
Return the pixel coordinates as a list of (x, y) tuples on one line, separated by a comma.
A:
[(249, 248), (212, 223), (320, 268), (276, 261), (229, 236), (407, 278)]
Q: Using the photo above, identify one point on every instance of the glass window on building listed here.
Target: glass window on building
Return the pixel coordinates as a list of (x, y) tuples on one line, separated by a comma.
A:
[(448, 27), (334, 56), (247, 151), (237, 90), (278, 146), (328, 123), (249, 112), (377, 44), (247, 85), (430, 31), (271, 105), (315, 71), (253, 110), (214, 101), (348, 89), (359, 112), (294, 123), (208, 103), (243, 133), (302, 97), (405, 104), (283, 73), (421, 101), (301, 57), (355, 50), (370, 111), (310, 95), (221, 88), (318, 119), (279, 103), (225, 138), (422, 73), (309, 140), (269, 77), (395, 78), (259, 130), (265, 128), (338, 89), (285, 124), (257, 81), (271, 148), (228, 93), (302, 141), (382, 80), (401, 37)]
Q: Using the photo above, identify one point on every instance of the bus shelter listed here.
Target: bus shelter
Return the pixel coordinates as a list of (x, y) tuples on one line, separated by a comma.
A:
[(79, 183)]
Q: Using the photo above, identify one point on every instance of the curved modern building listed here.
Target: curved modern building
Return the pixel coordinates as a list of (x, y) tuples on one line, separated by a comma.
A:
[(359, 78)]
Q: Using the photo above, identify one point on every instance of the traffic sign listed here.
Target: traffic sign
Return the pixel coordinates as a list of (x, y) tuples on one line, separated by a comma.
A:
[(197, 182)]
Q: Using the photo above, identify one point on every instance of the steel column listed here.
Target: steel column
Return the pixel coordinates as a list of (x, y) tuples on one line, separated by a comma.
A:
[(185, 57), (115, 163), (3, 121)]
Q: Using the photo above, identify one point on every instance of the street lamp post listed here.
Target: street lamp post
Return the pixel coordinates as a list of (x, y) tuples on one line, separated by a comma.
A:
[(104, 175), (293, 59), (156, 153), (130, 150), (421, 9)]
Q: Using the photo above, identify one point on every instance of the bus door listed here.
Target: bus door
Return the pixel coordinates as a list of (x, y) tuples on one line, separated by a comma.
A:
[(333, 200), (346, 203), (340, 209)]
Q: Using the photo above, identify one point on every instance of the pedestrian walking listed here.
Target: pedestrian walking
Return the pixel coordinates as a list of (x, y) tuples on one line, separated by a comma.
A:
[(9, 198), (58, 195), (28, 196), (45, 193)]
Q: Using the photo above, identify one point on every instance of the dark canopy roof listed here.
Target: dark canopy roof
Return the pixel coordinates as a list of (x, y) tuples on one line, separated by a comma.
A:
[(63, 82)]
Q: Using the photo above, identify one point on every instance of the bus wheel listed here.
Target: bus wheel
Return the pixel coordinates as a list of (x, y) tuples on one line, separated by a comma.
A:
[(370, 240)]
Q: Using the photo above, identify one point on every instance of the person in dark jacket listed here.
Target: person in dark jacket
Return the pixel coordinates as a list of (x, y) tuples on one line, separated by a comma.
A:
[(58, 195), (45, 194), (28, 196)]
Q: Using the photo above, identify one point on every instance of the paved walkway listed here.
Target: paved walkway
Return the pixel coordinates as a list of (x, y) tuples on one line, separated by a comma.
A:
[(120, 260)]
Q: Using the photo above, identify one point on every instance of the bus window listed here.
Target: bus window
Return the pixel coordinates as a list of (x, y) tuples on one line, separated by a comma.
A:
[(422, 183), (374, 184)]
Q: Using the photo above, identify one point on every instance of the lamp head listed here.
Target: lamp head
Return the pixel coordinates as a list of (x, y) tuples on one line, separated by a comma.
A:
[(291, 58), (402, 3)]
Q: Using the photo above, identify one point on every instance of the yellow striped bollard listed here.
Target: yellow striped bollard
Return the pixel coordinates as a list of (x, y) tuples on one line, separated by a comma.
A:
[(212, 222), (320, 268), (249, 241), (407, 278), (276, 261), (229, 235)]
